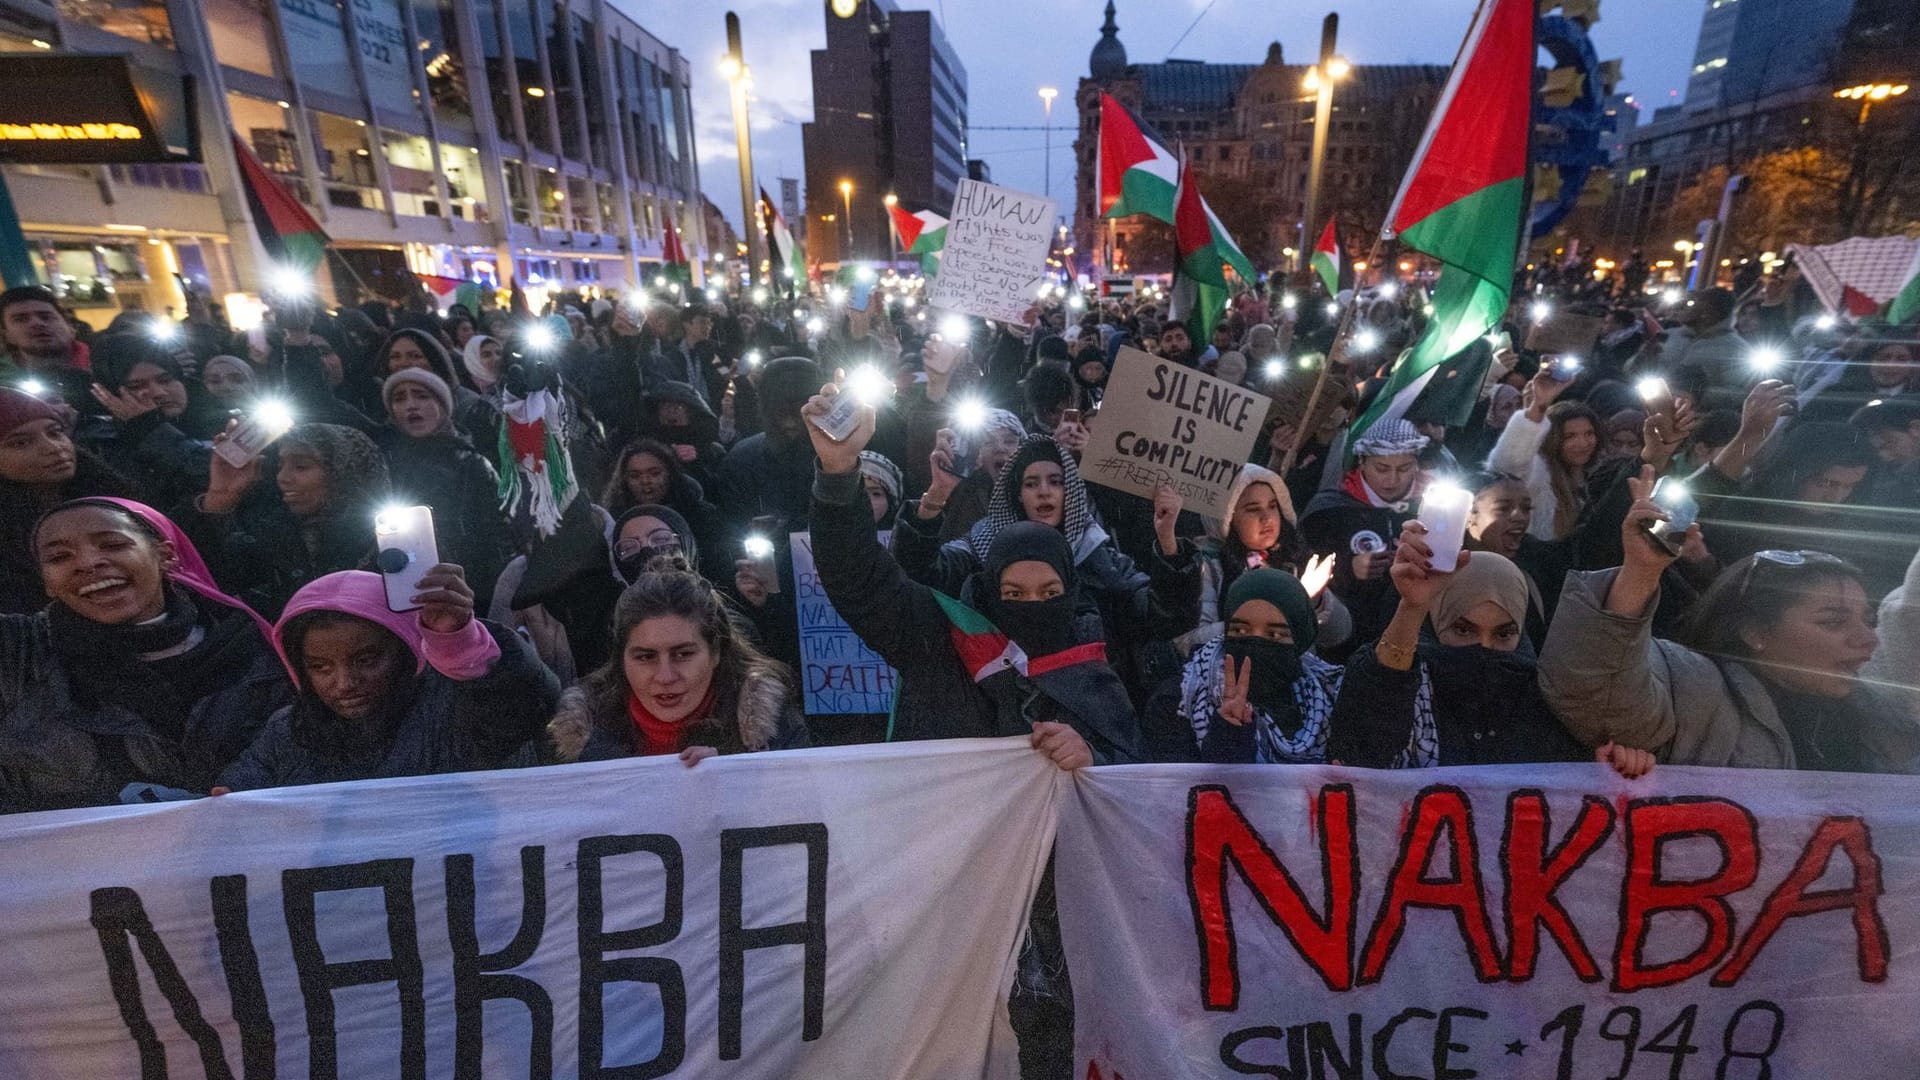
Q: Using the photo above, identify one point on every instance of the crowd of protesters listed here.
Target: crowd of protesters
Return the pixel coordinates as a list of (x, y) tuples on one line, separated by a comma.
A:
[(179, 625)]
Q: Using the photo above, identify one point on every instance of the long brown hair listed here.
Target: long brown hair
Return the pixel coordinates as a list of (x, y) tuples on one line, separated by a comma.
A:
[(1568, 492), (669, 586)]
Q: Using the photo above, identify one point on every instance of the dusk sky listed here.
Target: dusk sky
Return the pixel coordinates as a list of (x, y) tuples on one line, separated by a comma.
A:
[(1013, 47)]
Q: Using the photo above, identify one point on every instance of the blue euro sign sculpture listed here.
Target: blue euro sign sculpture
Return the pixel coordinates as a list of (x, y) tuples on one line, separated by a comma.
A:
[(1569, 137)]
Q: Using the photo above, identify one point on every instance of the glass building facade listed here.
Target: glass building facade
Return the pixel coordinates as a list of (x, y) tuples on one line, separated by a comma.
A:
[(487, 139)]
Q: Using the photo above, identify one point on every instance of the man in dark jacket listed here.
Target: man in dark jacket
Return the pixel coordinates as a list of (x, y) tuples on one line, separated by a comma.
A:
[(771, 474)]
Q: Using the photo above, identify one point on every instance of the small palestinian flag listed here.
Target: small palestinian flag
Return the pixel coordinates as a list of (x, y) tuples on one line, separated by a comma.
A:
[(677, 267), (923, 234), (1136, 173), (290, 234), (537, 481), (783, 255), (1326, 260)]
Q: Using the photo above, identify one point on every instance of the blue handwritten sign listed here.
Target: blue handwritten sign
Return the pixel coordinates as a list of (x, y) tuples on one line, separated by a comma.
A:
[(839, 675)]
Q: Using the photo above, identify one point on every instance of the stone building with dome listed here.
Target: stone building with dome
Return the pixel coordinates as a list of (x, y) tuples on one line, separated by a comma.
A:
[(1248, 130)]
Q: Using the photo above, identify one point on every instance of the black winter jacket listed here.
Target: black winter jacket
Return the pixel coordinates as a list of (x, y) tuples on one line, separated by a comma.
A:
[(446, 473)]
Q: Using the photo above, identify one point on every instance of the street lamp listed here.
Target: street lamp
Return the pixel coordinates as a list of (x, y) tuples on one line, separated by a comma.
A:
[(739, 78), (893, 231), (846, 202), (1047, 94), (1868, 93), (1320, 80)]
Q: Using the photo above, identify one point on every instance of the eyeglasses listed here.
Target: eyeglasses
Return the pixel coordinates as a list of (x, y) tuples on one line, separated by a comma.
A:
[(666, 543), (1786, 560)]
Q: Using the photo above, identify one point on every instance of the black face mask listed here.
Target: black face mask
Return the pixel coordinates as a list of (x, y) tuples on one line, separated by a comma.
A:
[(1039, 627), (632, 565), (1276, 667), (1473, 679)]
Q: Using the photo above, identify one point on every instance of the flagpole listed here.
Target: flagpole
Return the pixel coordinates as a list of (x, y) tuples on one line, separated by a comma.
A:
[(1337, 349)]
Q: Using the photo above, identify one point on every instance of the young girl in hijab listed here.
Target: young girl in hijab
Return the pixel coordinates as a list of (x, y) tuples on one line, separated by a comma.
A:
[(141, 679), (1261, 531), (229, 381), (1452, 680), (316, 517), (686, 680), (474, 416), (385, 693), (1259, 694)]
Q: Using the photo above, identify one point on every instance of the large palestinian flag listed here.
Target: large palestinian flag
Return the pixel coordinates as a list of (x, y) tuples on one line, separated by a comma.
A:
[(290, 234), (1463, 196), (1204, 250), (1136, 173)]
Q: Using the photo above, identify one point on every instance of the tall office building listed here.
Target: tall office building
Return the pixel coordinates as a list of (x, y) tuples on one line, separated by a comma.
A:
[(1750, 49), (482, 139), (889, 117)]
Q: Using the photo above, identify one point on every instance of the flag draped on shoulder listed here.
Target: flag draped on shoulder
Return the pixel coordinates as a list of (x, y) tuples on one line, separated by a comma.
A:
[(1326, 259), (1203, 251), (1136, 173), (783, 255), (286, 229), (922, 233), (1463, 195)]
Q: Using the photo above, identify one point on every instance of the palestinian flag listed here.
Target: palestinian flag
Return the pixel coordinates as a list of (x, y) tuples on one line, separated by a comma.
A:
[(1136, 173), (1326, 259), (1906, 303), (676, 266), (783, 255), (537, 481), (1463, 196), (923, 234), (290, 234), (1204, 250)]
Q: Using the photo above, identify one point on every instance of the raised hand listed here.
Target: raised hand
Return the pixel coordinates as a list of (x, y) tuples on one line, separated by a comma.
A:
[(1645, 556), (837, 456), (1664, 433), (1166, 514), (943, 471), (1413, 573), (1234, 708), (122, 405), (1071, 435), (445, 599), (1318, 574), (227, 484)]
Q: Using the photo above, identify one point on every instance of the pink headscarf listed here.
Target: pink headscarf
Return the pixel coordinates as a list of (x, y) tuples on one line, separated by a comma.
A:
[(361, 594), (188, 570)]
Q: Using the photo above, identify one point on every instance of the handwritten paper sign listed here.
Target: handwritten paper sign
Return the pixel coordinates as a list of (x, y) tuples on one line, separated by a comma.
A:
[(839, 675), (997, 240), (1163, 423)]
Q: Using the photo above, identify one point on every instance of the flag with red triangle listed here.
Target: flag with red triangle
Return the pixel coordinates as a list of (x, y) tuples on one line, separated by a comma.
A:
[(1203, 251), (673, 255), (1463, 196), (783, 254), (288, 232), (920, 232), (1137, 174), (1326, 259)]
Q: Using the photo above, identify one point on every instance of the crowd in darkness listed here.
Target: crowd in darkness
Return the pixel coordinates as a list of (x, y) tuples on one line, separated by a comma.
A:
[(177, 625)]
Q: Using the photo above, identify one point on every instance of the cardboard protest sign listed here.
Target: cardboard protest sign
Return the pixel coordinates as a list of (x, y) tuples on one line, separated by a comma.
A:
[(996, 253), (1566, 332), (1519, 922), (839, 675), (1160, 422), (840, 912)]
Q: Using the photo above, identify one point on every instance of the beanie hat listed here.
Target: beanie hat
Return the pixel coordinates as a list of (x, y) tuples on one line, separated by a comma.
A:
[(787, 383), (426, 380), (18, 407)]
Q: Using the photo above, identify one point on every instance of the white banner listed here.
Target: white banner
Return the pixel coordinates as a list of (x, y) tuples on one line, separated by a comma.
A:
[(848, 912), (1314, 922)]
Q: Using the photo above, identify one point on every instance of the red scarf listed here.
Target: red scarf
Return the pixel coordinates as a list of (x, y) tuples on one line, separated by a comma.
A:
[(657, 736), (1356, 486)]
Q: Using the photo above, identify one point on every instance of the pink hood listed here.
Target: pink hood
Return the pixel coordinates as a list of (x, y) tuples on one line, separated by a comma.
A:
[(464, 654), (361, 594)]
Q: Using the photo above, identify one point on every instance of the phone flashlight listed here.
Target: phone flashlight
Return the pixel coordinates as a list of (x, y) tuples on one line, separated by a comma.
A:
[(288, 282), (954, 329), (1333, 309), (33, 386), (799, 313), (863, 273), (1671, 297), (539, 337), (758, 547), (1366, 340), (1541, 311), (1825, 322), (1564, 368), (969, 415), (1275, 370), (1652, 388), (753, 358), (165, 331), (836, 295), (1387, 290), (1766, 359), (815, 326), (1289, 301), (868, 385)]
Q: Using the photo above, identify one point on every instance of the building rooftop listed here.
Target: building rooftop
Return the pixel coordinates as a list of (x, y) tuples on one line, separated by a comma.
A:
[(1191, 84)]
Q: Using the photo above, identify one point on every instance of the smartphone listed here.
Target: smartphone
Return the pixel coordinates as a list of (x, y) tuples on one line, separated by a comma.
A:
[(1071, 416), (1682, 510), (1564, 368), (403, 538), (859, 295), (254, 434), (759, 551), (841, 419)]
